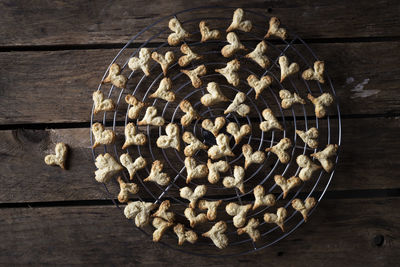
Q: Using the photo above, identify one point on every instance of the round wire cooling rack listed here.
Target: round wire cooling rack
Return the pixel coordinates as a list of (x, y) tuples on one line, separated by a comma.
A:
[(298, 117)]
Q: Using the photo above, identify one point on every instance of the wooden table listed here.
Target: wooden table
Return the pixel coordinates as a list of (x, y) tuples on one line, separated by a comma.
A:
[(52, 55)]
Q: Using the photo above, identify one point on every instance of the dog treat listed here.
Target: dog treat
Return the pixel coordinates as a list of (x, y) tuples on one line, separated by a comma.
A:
[(275, 30), (215, 168), (59, 158), (288, 99), (193, 196), (164, 91), (215, 126), (221, 149), (324, 155), (261, 199), (238, 212), (258, 55), (279, 149), (132, 166), (211, 207), (251, 229), (304, 207), (194, 219), (125, 190), (194, 171), (308, 167), (214, 95), (310, 137), (207, 34), (194, 75), (140, 211), (230, 72), (136, 106), (150, 118), (161, 226), (320, 103), (107, 167), (233, 129), (238, 23), (156, 175), (233, 46), (216, 234), (164, 61), (287, 69), (115, 77), (172, 138), (188, 57), (132, 137), (190, 115), (143, 62), (238, 106), (101, 104), (183, 235), (278, 218), (270, 121), (237, 179), (259, 84), (315, 74), (287, 185), (179, 34), (163, 212), (194, 144), (257, 157)]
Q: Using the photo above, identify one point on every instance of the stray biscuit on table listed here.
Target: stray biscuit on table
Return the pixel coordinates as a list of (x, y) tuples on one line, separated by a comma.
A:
[(211, 207), (270, 121), (279, 149), (191, 113), (151, 118), (287, 184), (215, 168), (233, 46), (238, 133), (179, 33), (132, 166), (237, 179), (304, 207), (259, 84), (286, 69), (238, 105), (320, 103), (238, 212), (194, 144), (189, 56), (317, 73), (258, 55), (164, 91), (107, 167), (126, 189), (278, 218), (60, 156), (164, 61), (207, 34), (289, 99), (275, 30), (309, 137), (324, 155), (194, 75), (230, 72), (132, 137), (191, 195), (194, 171), (215, 126), (115, 77), (214, 95), (216, 234), (183, 235), (308, 167), (194, 219), (251, 229), (156, 175), (238, 23), (135, 106), (221, 149), (142, 62), (101, 104), (172, 138), (257, 157), (161, 226), (261, 199), (140, 211)]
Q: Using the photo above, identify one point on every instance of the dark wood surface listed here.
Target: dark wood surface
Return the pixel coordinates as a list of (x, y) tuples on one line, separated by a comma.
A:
[(52, 57)]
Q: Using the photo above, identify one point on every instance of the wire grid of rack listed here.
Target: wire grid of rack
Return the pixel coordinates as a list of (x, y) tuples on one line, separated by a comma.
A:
[(297, 117)]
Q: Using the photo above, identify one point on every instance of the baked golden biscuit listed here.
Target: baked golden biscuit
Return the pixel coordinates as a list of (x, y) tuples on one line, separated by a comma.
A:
[(132, 137), (238, 133), (221, 149), (164, 61), (101, 104), (259, 84), (189, 56), (156, 175), (233, 46), (126, 189), (320, 103), (142, 62), (237, 179), (238, 23), (161, 226), (304, 207), (115, 77), (164, 91), (286, 69), (194, 219), (214, 95), (308, 167), (179, 34), (151, 118), (163, 212), (132, 166), (193, 170), (107, 167), (211, 207), (310, 137), (251, 229), (183, 235), (215, 126), (140, 211), (275, 30), (289, 99), (287, 185), (257, 157), (194, 75), (194, 144), (172, 138), (230, 72), (270, 121), (279, 149), (316, 74), (214, 170), (324, 155), (238, 212), (207, 34), (258, 55), (238, 105), (193, 196), (60, 156), (135, 106), (216, 234), (278, 218), (261, 199), (190, 115)]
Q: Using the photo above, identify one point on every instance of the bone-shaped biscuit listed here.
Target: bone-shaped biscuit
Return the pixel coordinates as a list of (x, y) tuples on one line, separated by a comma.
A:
[(190, 115), (150, 118), (188, 57), (238, 23), (238, 212), (214, 170), (261, 199), (207, 34), (216, 234), (278, 218), (179, 34), (288, 99), (107, 167), (270, 121), (194, 171), (163, 212), (279, 149), (156, 175), (309, 137), (238, 106), (193, 196), (194, 219), (257, 157), (258, 55), (194, 144), (315, 74), (275, 30), (215, 126), (287, 185), (115, 77), (230, 72), (142, 62), (287, 69), (237, 179), (308, 167), (164, 91), (233, 129), (259, 84), (233, 46), (135, 106), (132, 166), (125, 189), (214, 95), (194, 75), (132, 137), (211, 207), (140, 211), (183, 235), (161, 226), (251, 229), (320, 103), (172, 138), (101, 104), (164, 61), (221, 149), (324, 155), (304, 207), (59, 157)]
